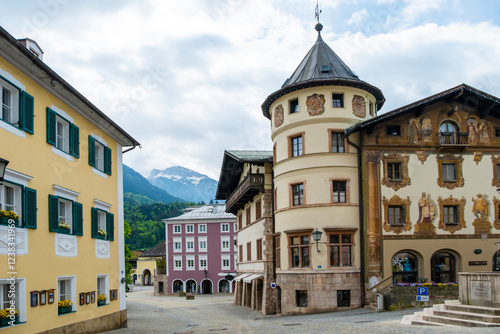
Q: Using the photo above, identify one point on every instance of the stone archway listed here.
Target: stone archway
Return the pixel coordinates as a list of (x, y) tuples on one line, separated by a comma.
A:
[(146, 277)]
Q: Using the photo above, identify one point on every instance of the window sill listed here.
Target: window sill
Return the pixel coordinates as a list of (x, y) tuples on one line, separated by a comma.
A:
[(12, 129), (100, 173), (60, 314), (62, 154)]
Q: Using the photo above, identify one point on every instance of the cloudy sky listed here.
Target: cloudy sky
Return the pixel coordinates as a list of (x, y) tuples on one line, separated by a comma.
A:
[(187, 78)]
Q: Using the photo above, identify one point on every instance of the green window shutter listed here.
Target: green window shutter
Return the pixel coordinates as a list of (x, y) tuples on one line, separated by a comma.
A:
[(75, 140), (51, 127), (53, 213), (110, 226), (78, 218), (107, 160), (95, 217), (27, 110), (29, 214), (91, 151)]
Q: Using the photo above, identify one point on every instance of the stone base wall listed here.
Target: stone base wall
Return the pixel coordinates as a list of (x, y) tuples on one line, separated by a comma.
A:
[(481, 288), (96, 325), (321, 291), (163, 279)]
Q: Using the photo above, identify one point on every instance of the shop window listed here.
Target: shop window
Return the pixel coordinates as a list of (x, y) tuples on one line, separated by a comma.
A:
[(404, 268), (443, 268)]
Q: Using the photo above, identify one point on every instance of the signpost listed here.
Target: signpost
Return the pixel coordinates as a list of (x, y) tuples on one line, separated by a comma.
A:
[(422, 295)]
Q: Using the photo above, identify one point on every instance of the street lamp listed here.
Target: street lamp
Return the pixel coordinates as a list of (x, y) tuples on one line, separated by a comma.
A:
[(317, 237), (3, 166)]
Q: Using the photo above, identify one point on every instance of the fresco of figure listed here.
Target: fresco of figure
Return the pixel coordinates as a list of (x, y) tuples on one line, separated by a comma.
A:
[(425, 210), (480, 207)]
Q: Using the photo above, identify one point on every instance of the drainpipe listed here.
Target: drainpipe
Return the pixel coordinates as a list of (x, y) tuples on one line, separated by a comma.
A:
[(361, 216)]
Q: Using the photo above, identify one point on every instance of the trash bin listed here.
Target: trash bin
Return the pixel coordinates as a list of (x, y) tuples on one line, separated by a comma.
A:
[(380, 301)]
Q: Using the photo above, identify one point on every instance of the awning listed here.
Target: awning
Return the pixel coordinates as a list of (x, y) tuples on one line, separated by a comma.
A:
[(250, 278), (238, 278)]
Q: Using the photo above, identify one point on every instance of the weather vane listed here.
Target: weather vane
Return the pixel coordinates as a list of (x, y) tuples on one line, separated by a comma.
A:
[(317, 11)]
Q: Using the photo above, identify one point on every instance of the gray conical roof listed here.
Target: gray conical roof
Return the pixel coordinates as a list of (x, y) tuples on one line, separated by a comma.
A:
[(320, 63), (321, 67)]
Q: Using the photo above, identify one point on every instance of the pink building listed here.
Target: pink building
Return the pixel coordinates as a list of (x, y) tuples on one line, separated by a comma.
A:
[(201, 251)]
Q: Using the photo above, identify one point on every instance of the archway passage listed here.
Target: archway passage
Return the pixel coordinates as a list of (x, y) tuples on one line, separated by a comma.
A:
[(177, 286), (443, 268), (223, 286), (404, 268), (191, 286), (146, 277), (206, 286)]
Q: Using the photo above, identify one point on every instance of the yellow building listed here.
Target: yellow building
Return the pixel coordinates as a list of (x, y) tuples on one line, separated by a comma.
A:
[(64, 183)]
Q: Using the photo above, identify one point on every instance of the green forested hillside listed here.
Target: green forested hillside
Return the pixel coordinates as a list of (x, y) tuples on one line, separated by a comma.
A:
[(144, 216)]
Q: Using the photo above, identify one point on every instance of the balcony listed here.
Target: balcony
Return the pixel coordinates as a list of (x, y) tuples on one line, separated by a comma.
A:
[(246, 190), (453, 139)]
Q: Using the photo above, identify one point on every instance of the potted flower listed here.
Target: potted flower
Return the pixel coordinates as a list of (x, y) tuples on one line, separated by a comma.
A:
[(102, 233), (6, 215), (64, 227), (65, 306), (101, 300), (7, 315)]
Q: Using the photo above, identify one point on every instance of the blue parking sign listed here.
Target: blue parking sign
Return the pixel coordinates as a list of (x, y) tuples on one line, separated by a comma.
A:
[(422, 291)]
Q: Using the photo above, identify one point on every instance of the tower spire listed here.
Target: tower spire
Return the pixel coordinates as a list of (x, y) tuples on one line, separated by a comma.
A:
[(317, 11)]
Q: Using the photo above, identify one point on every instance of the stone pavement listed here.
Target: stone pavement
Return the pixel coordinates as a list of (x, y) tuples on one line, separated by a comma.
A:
[(216, 314)]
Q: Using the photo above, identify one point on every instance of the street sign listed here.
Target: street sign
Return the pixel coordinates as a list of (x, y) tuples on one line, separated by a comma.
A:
[(422, 291), (422, 298)]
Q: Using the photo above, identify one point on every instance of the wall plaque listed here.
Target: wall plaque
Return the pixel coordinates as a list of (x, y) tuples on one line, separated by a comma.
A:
[(478, 263), (480, 290)]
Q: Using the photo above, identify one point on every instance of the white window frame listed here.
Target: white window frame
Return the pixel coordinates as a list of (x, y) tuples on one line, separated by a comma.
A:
[(176, 260), (177, 241), (62, 134), (225, 244), (67, 215), (190, 258), (12, 107), (19, 295), (202, 228), (99, 156), (190, 242), (202, 258), (17, 202), (202, 241), (177, 229), (189, 228), (102, 286), (224, 258), (224, 228), (70, 284)]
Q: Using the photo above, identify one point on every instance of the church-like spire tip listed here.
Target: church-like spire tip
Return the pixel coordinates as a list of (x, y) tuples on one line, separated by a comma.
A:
[(318, 27)]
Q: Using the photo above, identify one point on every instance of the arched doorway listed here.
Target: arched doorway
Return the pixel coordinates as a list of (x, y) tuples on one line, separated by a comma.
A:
[(191, 286), (206, 287), (177, 286), (443, 267), (223, 286), (404, 268), (496, 261), (146, 277)]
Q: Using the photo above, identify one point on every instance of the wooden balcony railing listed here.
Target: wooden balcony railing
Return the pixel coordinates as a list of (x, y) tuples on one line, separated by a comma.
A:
[(453, 139), (246, 190)]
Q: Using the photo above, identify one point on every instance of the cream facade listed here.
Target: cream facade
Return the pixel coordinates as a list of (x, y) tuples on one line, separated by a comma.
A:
[(361, 201), (64, 182)]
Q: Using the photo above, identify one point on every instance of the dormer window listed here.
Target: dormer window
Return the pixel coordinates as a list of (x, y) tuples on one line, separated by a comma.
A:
[(325, 69)]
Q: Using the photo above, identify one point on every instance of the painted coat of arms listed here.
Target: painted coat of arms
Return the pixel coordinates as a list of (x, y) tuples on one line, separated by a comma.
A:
[(315, 104), (359, 106), (279, 116)]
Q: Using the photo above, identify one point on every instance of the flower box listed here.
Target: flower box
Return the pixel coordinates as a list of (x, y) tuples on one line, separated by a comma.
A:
[(101, 302), (65, 309), (5, 221), (64, 230), (5, 321)]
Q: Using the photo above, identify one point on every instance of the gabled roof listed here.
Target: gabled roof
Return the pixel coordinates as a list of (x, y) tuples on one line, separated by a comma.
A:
[(232, 167), (205, 212), (485, 103), (158, 250), (321, 67), (44, 74)]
